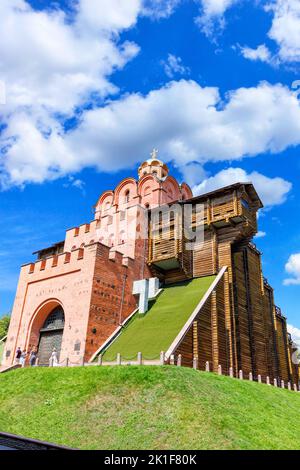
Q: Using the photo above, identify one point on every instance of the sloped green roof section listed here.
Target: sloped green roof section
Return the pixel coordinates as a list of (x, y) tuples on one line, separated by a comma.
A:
[(156, 330)]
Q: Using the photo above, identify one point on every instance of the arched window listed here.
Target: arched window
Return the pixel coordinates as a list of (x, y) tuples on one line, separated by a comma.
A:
[(127, 196)]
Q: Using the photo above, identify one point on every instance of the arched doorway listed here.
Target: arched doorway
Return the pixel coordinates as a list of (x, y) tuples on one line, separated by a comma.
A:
[(51, 335)]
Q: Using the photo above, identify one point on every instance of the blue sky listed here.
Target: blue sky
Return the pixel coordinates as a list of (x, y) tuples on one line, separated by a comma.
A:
[(92, 90)]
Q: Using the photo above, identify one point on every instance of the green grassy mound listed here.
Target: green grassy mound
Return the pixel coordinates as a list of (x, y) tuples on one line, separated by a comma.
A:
[(133, 407), (155, 331)]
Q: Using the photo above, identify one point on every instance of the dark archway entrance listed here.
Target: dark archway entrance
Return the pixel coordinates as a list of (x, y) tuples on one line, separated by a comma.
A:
[(51, 335)]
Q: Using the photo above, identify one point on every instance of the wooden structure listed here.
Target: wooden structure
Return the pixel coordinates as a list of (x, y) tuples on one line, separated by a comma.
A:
[(239, 326)]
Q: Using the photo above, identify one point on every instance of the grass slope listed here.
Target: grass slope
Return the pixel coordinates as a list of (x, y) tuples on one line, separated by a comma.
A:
[(147, 408), (155, 331)]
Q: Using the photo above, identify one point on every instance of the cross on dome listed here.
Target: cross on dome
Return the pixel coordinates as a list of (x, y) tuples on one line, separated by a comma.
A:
[(154, 154), (154, 166)]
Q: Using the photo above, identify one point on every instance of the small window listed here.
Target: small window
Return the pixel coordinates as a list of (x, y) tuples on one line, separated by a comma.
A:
[(245, 204), (127, 196)]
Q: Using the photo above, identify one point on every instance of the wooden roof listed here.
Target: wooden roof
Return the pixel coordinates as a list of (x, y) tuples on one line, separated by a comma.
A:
[(249, 187)]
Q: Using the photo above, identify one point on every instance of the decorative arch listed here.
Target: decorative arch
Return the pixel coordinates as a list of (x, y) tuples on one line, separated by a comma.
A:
[(186, 191), (128, 184), (107, 196), (147, 180), (172, 187), (38, 319)]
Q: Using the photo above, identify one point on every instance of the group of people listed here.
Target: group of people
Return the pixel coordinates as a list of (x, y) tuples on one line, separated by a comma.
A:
[(21, 357)]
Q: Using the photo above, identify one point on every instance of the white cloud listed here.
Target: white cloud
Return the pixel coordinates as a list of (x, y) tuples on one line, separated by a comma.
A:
[(212, 15), (261, 53), (285, 30), (51, 64), (159, 8), (260, 234), (47, 61), (187, 122), (295, 332), (193, 173), (292, 267), (108, 15), (174, 66), (272, 191)]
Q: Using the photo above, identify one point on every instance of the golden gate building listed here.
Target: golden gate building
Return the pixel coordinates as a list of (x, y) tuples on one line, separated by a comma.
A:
[(79, 291)]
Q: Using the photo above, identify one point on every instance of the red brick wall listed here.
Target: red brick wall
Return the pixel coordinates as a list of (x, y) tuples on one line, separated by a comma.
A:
[(106, 308)]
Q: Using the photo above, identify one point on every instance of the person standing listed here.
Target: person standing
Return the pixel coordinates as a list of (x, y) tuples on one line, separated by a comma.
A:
[(18, 355), (33, 357), (53, 361), (23, 358)]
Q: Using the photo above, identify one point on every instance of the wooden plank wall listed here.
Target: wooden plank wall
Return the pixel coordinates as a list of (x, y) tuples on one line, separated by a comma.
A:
[(208, 337), (238, 326), (256, 308), (270, 332), (282, 341), (243, 340), (203, 263)]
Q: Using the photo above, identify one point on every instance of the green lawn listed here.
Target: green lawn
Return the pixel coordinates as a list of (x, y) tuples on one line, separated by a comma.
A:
[(154, 332), (133, 407)]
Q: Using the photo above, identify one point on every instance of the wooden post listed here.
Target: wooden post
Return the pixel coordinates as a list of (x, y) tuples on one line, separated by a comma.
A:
[(275, 382), (219, 369), (100, 360), (259, 378), (214, 331), (67, 362), (172, 360), (195, 363), (119, 360), (282, 384), (241, 375), (195, 338), (162, 358), (295, 388), (179, 360), (228, 318), (140, 359), (289, 386), (231, 372), (250, 376), (207, 369), (268, 380), (82, 361)]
